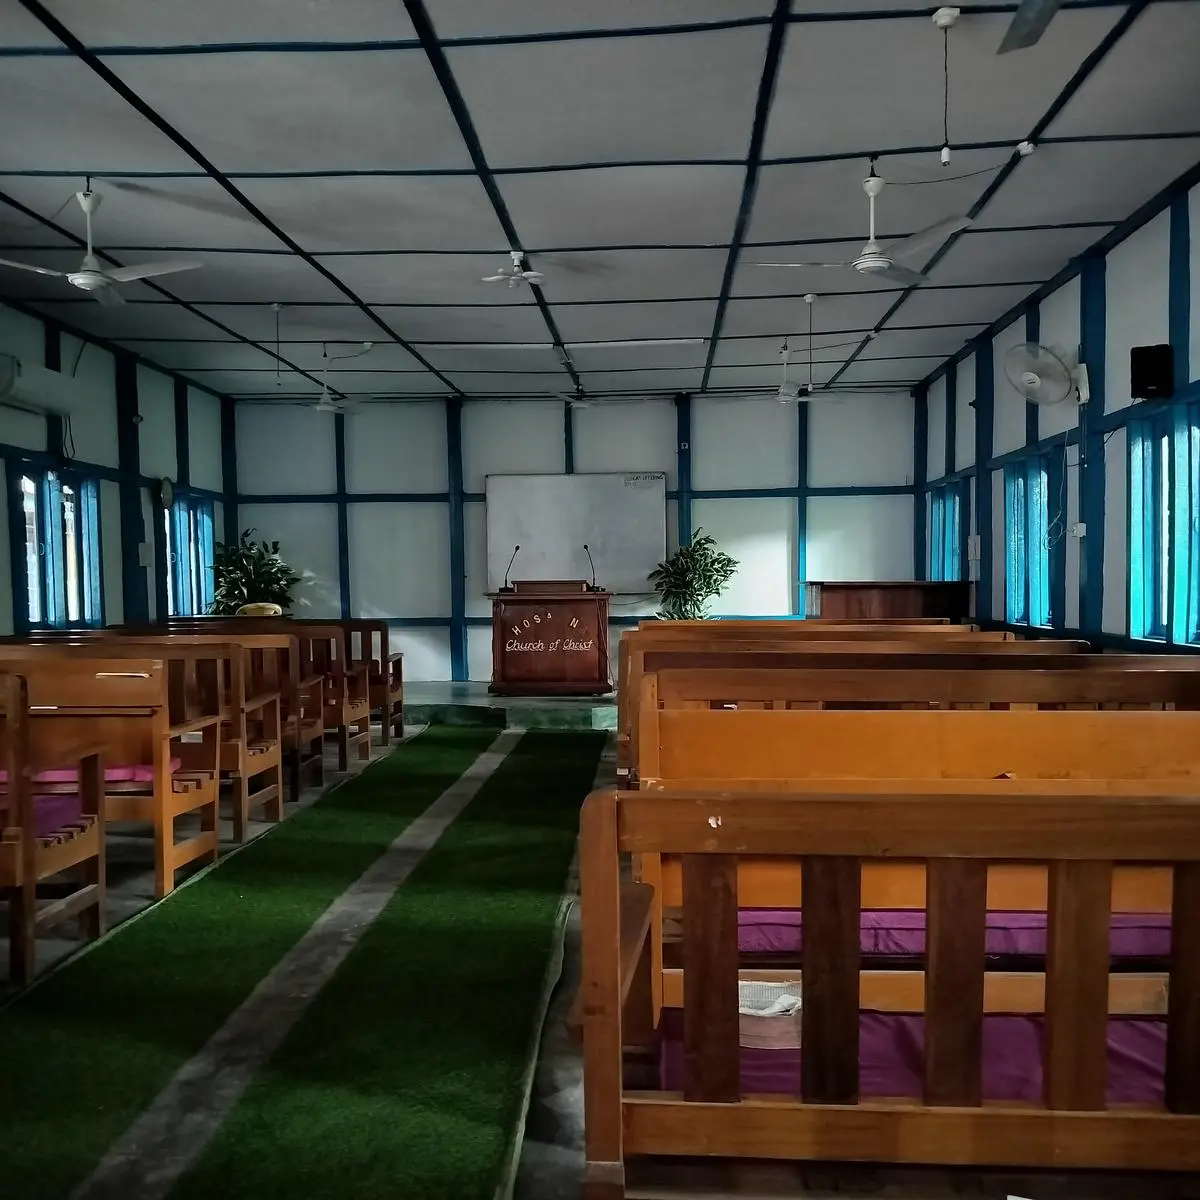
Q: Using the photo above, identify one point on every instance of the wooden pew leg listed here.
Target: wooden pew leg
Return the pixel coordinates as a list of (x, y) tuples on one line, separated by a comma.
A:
[(343, 745), (275, 806), (295, 783), (164, 858), (22, 937), (364, 746), (385, 723), (94, 920), (241, 807)]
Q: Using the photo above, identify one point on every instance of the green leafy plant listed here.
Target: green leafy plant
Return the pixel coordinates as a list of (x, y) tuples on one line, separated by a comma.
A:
[(250, 572), (691, 577)]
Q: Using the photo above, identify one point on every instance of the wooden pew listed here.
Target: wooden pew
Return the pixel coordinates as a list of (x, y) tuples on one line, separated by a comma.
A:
[(45, 837), (248, 696), (369, 642), (820, 651), (828, 841), (322, 648), (162, 750)]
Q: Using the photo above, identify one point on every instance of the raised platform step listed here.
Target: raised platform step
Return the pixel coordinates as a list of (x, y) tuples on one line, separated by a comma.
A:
[(470, 704)]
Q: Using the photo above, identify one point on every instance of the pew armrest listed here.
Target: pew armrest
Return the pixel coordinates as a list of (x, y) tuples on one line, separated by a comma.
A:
[(637, 910), (56, 760), (259, 699), (194, 725)]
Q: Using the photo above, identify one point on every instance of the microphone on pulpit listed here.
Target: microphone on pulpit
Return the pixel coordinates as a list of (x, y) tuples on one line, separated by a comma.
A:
[(586, 551), (508, 570)]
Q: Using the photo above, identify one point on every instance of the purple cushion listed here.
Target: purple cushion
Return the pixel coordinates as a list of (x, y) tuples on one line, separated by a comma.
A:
[(891, 1049), (902, 932), (51, 813)]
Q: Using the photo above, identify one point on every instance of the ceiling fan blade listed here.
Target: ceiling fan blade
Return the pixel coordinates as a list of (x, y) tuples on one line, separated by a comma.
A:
[(495, 278), (149, 270), (801, 264), (109, 296), (1028, 24), (934, 235), (20, 266), (898, 274), (532, 276)]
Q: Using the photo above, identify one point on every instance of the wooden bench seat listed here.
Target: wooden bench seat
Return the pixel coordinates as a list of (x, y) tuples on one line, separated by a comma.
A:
[(126, 704), (46, 837), (831, 842)]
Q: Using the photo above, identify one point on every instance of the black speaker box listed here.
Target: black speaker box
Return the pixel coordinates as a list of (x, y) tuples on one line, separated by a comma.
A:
[(1152, 372)]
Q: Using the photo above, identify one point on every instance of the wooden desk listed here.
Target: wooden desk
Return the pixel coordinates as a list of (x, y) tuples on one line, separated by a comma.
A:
[(550, 637), (872, 601)]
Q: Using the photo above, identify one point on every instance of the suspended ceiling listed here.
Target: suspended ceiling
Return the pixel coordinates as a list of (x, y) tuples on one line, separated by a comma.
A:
[(361, 164)]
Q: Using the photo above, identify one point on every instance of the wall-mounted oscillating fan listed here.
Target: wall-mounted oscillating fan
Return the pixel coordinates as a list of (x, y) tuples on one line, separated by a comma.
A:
[(1044, 375)]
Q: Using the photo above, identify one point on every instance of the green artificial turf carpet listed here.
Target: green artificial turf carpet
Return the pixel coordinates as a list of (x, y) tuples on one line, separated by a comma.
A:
[(404, 1077), (83, 1054)]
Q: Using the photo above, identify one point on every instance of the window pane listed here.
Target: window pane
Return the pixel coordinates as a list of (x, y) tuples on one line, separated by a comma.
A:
[(33, 546), (1163, 521), (1038, 545), (172, 609), (70, 515), (1016, 591)]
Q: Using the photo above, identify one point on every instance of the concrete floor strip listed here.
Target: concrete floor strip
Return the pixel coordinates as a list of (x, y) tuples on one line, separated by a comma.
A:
[(171, 1134)]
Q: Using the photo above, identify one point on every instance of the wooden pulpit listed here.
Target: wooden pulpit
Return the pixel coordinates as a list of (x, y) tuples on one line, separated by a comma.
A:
[(550, 638)]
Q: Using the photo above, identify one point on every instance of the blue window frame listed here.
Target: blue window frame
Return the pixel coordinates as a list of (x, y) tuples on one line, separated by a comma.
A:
[(1186, 615), (60, 515), (1027, 543), (189, 523), (945, 540)]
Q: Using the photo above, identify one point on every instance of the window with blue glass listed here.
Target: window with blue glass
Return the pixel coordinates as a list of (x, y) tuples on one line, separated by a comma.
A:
[(189, 524), (60, 515), (945, 533), (1027, 543), (1164, 526)]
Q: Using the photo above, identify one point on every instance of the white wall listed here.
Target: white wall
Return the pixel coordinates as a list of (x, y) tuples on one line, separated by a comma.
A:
[(935, 447), (1137, 292), (398, 549)]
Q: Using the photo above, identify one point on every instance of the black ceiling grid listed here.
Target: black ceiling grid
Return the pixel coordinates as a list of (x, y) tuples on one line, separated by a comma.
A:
[(1089, 64), (68, 39), (171, 298), (762, 108), (419, 16)]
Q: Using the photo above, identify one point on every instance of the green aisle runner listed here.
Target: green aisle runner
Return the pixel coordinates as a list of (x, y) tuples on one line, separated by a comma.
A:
[(85, 1052), (404, 1077)]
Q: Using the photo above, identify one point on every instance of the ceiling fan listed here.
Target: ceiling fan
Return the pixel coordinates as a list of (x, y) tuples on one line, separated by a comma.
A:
[(328, 402), (91, 277), (880, 261), (1028, 24), (515, 275)]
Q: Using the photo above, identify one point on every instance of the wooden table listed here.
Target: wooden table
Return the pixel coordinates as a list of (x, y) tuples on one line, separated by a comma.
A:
[(550, 638)]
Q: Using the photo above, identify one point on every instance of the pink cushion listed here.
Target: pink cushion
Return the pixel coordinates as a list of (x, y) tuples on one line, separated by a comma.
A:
[(139, 773)]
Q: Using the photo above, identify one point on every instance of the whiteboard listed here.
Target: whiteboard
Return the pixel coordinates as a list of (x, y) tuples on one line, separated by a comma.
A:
[(622, 518)]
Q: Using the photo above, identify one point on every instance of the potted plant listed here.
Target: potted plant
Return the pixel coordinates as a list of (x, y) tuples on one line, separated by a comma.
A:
[(694, 575), (250, 572)]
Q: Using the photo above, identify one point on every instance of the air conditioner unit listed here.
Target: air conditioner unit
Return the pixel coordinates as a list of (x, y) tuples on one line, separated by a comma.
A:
[(35, 389)]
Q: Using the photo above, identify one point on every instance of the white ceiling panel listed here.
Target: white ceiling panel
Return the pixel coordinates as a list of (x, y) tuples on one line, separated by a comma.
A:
[(366, 382), (319, 322), (618, 357), (788, 317), (214, 355), (678, 379), (825, 199), (849, 84), (618, 206), (633, 275), (760, 351), (262, 278), (611, 322), (750, 279), (957, 306), (487, 323), (1090, 181), (469, 18), (130, 320), (1032, 255), (146, 212), (513, 383), (1136, 89), (70, 120), (429, 278), (688, 96), (886, 370), (500, 358), (382, 212), (902, 343), (311, 112), (760, 377), (153, 23)]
